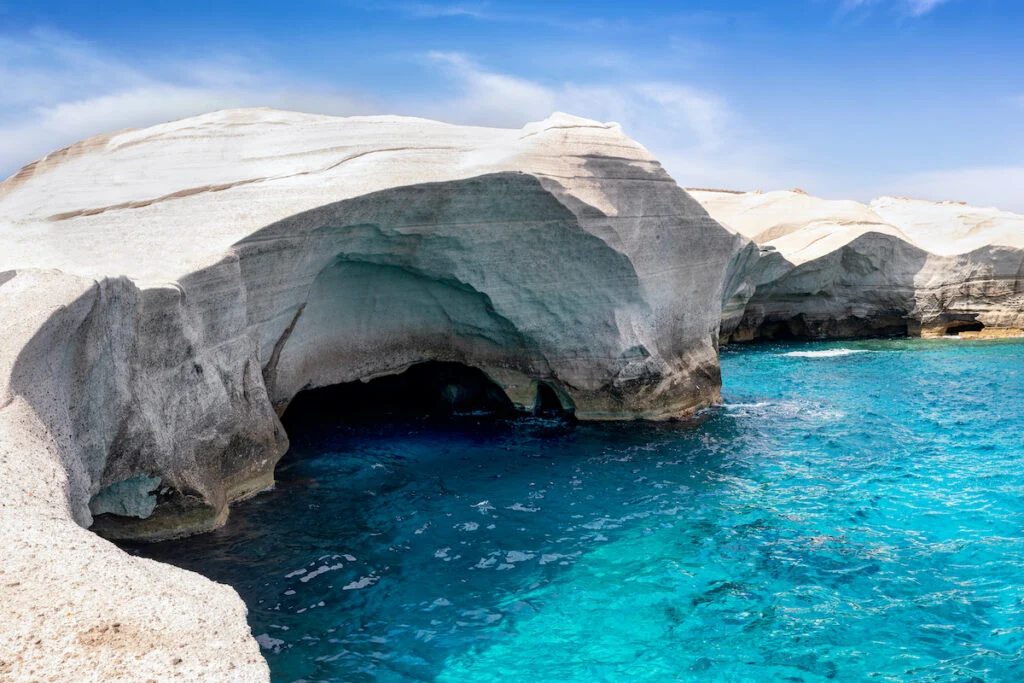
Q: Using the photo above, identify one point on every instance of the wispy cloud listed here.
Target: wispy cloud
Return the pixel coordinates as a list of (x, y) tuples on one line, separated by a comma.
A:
[(59, 89), (485, 97), (914, 8), (427, 10), (45, 66), (697, 135), (919, 7), (489, 12)]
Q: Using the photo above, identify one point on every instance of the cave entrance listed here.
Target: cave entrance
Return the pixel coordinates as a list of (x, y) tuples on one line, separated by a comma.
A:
[(432, 388), (782, 330), (547, 402), (958, 326)]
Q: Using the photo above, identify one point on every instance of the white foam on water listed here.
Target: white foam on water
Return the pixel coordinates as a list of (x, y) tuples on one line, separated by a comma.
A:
[(268, 642), (744, 406), (517, 556), (784, 409), (361, 583), (828, 353), (320, 570)]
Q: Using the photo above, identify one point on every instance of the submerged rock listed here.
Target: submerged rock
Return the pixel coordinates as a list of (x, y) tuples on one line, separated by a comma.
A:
[(171, 290), (834, 269)]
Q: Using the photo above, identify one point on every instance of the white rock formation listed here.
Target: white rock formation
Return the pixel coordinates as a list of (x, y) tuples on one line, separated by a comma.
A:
[(166, 293), (829, 269)]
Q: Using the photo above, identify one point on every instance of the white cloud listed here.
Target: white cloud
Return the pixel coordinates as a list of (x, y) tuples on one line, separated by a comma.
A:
[(706, 115), (58, 90), (914, 8), (919, 7), (43, 67), (695, 134), (426, 10), (485, 11), (484, 98)]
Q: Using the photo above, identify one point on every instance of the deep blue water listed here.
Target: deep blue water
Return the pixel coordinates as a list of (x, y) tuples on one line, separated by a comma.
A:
[(844, 517)]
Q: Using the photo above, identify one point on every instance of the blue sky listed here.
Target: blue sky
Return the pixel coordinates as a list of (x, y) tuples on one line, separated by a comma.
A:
[(843, 98)]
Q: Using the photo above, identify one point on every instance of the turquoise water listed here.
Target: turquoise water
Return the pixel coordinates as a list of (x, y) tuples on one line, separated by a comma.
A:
[(846, 516)]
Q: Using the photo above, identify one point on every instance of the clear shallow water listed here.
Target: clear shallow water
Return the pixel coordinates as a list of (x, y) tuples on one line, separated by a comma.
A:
[(844, 517)]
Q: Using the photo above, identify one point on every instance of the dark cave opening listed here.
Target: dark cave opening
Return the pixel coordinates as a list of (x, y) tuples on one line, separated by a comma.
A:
[(800, 328), (547, 402), (436, 389), (958, 326), (782, 331)]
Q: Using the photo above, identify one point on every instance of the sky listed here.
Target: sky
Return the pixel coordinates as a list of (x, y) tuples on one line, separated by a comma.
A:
[(841, 98)]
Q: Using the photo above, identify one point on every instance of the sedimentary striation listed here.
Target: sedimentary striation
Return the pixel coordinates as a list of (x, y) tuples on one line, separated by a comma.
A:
[(818, 269), (167, 292)]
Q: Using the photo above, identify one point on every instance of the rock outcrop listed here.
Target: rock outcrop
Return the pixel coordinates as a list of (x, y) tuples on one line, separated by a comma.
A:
[(167, 292), (834, 269)]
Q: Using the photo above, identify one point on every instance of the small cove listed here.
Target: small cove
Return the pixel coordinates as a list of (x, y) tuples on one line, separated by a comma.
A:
[(854, 510)]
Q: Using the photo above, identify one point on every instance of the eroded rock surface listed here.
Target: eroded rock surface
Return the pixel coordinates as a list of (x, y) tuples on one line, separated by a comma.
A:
[(835, 269), (167, 292)]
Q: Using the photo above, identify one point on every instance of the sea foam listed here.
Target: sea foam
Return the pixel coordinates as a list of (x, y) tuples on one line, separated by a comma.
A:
[(828, 353)]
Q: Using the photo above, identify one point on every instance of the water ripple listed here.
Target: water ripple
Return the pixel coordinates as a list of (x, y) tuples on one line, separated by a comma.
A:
[(845, 520)]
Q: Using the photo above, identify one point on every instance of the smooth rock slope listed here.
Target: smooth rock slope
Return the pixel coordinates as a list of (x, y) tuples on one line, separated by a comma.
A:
[(167, 292), (834, 269)]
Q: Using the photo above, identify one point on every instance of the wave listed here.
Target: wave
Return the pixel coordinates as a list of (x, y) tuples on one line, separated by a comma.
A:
[(829, 353), (784, 409), (744, 406)]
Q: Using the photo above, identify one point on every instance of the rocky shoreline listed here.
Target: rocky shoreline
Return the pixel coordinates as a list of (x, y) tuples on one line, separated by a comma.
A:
[(168, 292), (840, 269)]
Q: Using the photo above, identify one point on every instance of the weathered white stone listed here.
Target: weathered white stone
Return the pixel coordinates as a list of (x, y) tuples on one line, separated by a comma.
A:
[(167, 292), (842, 269)]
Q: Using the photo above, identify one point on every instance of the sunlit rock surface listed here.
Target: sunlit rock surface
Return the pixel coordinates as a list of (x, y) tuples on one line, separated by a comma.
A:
[(167, 292), (833, 269)]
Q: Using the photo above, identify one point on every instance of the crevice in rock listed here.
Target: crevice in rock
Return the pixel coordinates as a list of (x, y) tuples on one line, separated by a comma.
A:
[(270, 369)]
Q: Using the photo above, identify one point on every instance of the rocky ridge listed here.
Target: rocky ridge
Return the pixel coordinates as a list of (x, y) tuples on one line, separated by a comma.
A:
[(821, 269)]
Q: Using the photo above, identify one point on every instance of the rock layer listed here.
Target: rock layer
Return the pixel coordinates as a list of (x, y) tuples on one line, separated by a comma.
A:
[(836, 269), (171, 290)]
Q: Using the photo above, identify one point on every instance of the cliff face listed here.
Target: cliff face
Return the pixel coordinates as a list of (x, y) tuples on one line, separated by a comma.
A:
[(171, 290), (229, 261), (834, 269), (74, 606), (166, 293)]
